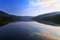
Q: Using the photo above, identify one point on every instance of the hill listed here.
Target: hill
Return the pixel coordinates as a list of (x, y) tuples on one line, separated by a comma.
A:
[(6, 18), (49, 18)]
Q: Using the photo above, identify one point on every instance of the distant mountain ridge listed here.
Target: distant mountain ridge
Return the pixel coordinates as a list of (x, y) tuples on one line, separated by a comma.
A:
[(27, 18)]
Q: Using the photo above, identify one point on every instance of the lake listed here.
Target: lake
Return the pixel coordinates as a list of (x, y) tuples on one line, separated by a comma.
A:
[(29, 30)]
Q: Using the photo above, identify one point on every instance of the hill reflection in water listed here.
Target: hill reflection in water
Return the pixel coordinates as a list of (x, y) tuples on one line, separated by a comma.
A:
[(52, 18), (29, 30), (24, 28), (2, 23)]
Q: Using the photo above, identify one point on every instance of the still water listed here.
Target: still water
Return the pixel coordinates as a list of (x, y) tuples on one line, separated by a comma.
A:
[(29, 30)]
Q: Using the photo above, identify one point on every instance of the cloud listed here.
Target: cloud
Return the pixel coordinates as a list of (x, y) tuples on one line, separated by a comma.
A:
[(46, 36), (41, 3), (38, 7)]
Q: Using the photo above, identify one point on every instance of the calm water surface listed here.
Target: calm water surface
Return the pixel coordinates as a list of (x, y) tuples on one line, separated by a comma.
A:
[(29, 30)]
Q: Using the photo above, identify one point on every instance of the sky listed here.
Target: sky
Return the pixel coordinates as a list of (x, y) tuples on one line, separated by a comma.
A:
[(29, 7)]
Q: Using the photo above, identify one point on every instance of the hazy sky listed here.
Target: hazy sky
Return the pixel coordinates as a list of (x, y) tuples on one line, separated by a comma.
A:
[(29, 7)]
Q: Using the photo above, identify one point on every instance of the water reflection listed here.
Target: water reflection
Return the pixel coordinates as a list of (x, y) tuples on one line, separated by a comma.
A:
[(29, 30), (2, 23)]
